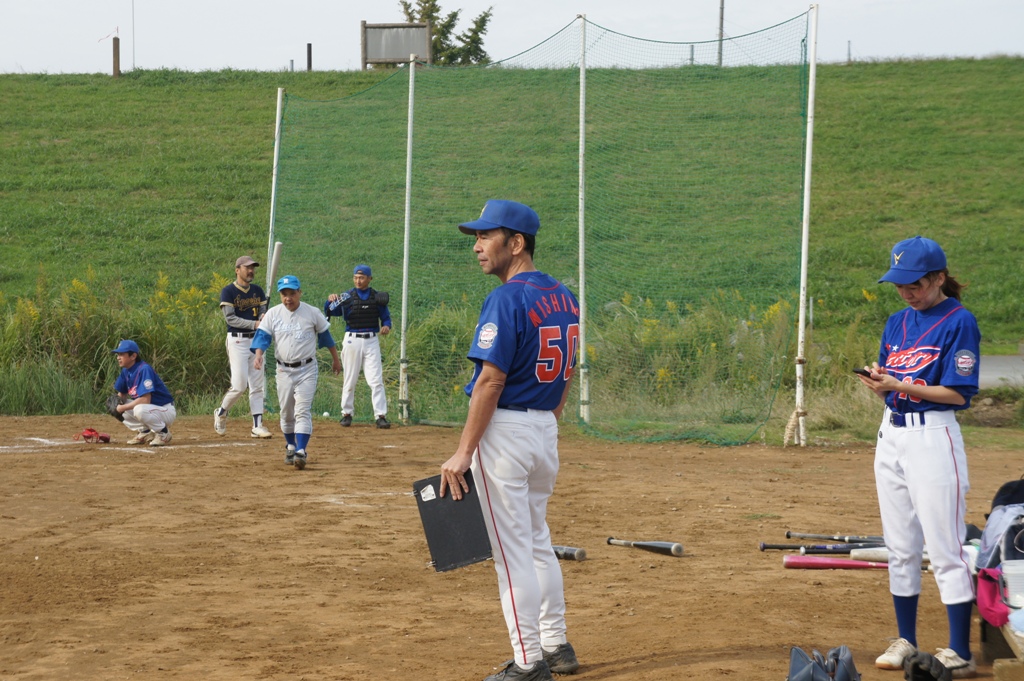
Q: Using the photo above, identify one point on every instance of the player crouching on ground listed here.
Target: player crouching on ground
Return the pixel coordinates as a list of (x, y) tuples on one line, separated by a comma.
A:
[(297, 329), (149, 410)]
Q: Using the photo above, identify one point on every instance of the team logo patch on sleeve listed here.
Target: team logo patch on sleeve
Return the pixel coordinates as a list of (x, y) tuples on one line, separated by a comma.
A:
[(966, 361), (148, 383), (487, 335)]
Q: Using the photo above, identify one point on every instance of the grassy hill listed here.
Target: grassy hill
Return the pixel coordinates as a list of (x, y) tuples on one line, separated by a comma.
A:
[(166, 171), (155, 182)]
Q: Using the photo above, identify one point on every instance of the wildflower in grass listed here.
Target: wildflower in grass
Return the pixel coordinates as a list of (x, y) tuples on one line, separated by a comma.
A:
[(672, 306), (663, 379), (627, 299), (871, 297)]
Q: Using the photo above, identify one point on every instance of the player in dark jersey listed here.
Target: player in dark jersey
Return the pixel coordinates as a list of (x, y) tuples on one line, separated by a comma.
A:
[(524, 349), (927, 370), (243, 304)]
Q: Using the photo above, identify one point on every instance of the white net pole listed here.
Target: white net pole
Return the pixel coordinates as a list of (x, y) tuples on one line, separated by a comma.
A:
[(273, 185), (403, 372), (801, 360), (582, 361)]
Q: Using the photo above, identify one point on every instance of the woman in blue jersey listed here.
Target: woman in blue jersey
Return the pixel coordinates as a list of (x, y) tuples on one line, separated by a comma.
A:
[(927, 370)]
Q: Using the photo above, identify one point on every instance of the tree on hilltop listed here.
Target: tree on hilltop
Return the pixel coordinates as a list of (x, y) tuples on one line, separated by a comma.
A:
[(450, 49)]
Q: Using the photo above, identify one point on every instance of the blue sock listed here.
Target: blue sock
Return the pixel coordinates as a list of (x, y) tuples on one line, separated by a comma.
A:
[(289, 439), (906, 617), (959, 615), (301, 440), (257, 420)]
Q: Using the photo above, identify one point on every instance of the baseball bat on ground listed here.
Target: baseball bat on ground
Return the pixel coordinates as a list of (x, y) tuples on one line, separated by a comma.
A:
[(828, 548), (666, 547), (830, 563), (873, 538), (569, 552), (275, 260)]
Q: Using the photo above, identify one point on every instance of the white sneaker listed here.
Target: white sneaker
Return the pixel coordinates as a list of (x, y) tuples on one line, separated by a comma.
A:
[(899, 650), (142, 438), (220, 423), (958, 666), (161, 439), (261, 432)]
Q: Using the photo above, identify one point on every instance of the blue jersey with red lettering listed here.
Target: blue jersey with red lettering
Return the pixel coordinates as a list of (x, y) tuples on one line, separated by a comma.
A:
[(140, 379), (529, 328), (937, 346)]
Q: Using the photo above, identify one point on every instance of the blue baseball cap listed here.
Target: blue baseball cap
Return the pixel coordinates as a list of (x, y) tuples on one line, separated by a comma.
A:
[(127, 346), (288, 281), (362, 269), (498, 213), (912, 259)]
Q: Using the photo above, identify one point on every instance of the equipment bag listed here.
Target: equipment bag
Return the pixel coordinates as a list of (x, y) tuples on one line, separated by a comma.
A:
[(836, 665)]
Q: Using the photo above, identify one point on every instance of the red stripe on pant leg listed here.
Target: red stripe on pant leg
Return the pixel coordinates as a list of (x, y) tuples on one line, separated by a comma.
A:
[(501, 549), (959, 521)]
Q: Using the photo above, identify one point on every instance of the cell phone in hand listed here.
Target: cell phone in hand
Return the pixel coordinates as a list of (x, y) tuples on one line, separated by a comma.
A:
[(862, 372)]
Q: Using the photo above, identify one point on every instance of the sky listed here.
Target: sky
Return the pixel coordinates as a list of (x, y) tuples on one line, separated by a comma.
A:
[(75, 36)]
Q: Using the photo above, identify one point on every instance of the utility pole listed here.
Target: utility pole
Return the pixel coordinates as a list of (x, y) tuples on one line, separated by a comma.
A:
[(721, 29)]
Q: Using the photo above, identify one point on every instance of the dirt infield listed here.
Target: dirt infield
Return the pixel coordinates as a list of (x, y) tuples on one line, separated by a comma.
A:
[(211, 559)]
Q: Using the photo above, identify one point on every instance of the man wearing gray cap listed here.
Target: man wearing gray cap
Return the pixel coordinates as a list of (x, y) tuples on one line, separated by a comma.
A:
[(243, 304)]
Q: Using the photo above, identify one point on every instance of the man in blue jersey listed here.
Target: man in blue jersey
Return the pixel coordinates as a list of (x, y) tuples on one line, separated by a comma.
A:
[(524, 349), (149, 408), (366, 319)]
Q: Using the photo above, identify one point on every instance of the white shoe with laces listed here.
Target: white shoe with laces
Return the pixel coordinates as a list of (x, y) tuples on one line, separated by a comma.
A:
[(958, 666), (261, 432), (220, 423), (143, 438), (161, 439), (899, 650)]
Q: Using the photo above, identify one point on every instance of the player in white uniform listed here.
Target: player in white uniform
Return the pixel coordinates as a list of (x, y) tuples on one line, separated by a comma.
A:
[(525, 349), (243, 304), (927, 370), (296, 329)]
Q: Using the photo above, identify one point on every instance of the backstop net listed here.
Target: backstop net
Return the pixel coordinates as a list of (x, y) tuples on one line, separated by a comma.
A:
[(684, 246)]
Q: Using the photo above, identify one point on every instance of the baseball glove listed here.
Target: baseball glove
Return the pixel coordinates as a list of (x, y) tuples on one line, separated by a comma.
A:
[(924, 667), (112, 403), (382, 298)]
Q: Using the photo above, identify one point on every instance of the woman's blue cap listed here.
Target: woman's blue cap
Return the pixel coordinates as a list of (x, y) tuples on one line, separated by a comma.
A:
[(912, 259)]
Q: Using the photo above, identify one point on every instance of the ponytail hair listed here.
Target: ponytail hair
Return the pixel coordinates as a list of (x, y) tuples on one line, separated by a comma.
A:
[(951, 288)]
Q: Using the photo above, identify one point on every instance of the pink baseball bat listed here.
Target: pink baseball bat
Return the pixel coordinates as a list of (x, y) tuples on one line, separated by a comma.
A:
[(829, 563)]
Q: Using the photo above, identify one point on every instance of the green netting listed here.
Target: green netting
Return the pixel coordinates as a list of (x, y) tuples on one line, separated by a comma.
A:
[(692, 214)]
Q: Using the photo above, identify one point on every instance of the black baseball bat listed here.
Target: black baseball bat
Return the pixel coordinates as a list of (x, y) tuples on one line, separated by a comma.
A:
[(666, 547), (836, 548), (569, 552), (874, 538)]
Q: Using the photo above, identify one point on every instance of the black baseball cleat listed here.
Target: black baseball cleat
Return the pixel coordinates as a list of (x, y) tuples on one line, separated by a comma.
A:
[(300, 459), (346, 420), (513, 672), (289, 455), (562, 660), (382, 422)]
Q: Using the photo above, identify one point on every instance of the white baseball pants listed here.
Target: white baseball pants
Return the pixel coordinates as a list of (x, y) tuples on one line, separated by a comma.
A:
[(515, 470), (921, 478), (150, 417), (365, 353), (295, 390), (243, 375)]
